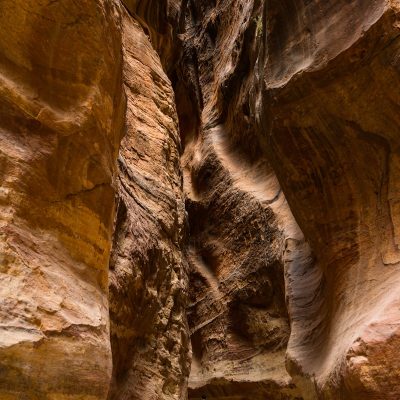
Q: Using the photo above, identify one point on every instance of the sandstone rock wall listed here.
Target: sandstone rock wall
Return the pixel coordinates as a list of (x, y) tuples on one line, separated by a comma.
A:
[(148, 271), (241, 228), (329, 110), (61, 118), (147, 249), (319, 81), (160, 20)]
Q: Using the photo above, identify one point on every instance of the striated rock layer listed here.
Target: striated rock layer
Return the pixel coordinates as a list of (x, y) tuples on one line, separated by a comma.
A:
[(169, 134), (241, 228), (305, 91), (62, 121), (61, 117), (148, 273), (330, 112)]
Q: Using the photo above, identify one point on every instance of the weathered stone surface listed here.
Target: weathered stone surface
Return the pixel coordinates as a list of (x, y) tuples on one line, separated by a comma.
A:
[(330, 112), (160, 20), (148, 273), (61, 109), (275, 99), (239, 220)]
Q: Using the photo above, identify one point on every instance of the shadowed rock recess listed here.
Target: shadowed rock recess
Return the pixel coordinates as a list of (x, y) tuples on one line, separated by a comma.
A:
[(199, 199)]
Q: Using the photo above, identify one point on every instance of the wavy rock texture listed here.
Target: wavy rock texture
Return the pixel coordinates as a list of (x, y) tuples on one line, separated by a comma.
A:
[(241, 228), (322, 93), (275, 100), (330, 111), (148, 271), (61, 122)]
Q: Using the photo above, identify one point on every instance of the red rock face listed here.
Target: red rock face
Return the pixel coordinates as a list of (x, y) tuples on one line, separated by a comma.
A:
[(240, 223), (321, 92), (329, 112), (148, 272), (61, 110), (250, 149)]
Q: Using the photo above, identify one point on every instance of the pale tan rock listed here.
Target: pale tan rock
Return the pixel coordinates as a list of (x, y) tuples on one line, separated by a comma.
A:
[(61, 111)]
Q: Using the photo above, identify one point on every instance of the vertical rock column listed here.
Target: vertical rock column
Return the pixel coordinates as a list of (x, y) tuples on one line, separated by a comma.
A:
[(61, 115), (148, 271)]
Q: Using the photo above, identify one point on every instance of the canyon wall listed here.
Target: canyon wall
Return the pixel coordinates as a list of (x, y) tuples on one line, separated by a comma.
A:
[(61, 121), (199, 199), (304, 91), (240, 223), (329, 110), (148, 271)]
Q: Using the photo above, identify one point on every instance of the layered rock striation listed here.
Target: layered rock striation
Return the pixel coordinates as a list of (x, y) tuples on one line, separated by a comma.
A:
[(329, 112), (241, 228), (199, 198), (148, 271), (61, 120)]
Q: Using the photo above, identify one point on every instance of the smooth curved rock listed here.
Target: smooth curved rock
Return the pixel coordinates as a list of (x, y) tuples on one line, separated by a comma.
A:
[(240, 223), (276, 100), (330, 114), (61, 110)]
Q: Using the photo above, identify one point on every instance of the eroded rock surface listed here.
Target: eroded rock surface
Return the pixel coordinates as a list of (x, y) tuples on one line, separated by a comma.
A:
[(61, 117), (148, 272), (240, 223), (275, 100), (329, 110)]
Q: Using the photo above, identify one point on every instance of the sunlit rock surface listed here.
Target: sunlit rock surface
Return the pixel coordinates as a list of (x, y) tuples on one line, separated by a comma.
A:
[(199, 198), (61, 120)]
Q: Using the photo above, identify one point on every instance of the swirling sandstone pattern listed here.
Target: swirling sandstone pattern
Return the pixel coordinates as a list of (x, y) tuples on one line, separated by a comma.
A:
[(148, 273), (149, 153), (239, 220), (329, 110)]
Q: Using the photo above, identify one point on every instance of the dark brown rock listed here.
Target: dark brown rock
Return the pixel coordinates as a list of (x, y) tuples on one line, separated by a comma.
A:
[(238, 217)]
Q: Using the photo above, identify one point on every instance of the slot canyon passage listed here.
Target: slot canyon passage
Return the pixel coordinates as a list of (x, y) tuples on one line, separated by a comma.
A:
[(199, 199)]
